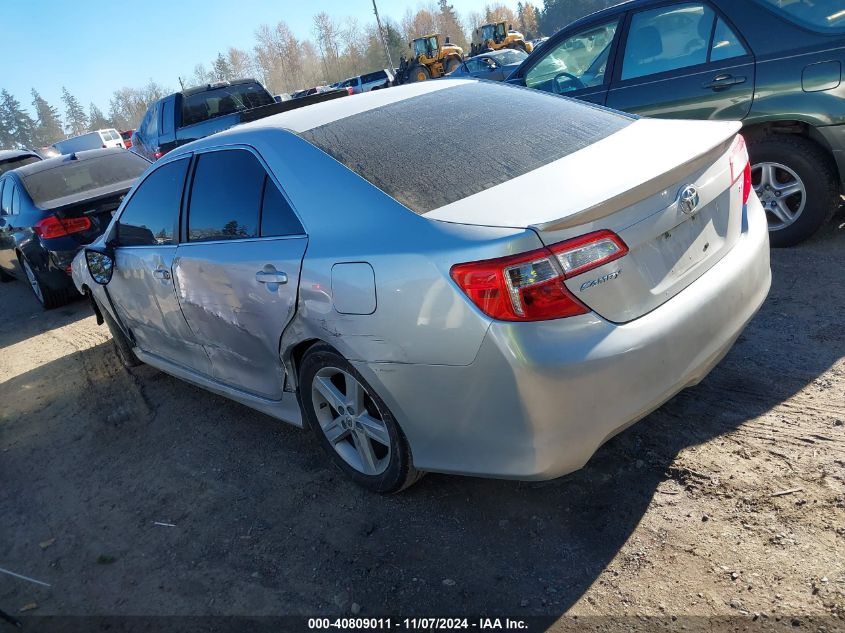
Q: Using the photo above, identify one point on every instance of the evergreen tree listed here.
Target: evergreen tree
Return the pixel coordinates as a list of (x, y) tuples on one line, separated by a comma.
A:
[(221, 69), (48, 125), (18, 128), (75, 120), (96, 119)]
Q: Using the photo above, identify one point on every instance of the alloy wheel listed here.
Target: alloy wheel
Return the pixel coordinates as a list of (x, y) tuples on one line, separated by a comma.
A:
[(351, 421), (781, 192), (33, 280)]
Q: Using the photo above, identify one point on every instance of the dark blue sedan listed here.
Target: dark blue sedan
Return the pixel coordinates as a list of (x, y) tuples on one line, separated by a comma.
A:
[(493, 66), (49, 209)]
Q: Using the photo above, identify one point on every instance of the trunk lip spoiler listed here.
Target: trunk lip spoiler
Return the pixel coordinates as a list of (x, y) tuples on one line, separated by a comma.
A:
[(637, 194)]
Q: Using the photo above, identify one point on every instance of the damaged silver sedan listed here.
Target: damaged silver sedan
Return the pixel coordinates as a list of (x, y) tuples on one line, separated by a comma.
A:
[(428, 293)]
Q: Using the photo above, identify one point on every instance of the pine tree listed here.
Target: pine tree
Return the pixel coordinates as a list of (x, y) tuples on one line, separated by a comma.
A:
[(221, 69), (75, 120), (18, 128), (48, 125), (96, 119)]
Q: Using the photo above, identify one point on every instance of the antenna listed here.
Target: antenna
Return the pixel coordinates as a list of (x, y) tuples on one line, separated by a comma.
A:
[(181, 83), (383, 40)]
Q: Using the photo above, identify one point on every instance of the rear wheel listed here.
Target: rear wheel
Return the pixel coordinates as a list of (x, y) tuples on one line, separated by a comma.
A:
[(352, 424), (419, 72), (49, 298), (796, 184)]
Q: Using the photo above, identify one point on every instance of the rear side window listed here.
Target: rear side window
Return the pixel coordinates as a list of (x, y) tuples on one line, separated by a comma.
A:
[(493, 133), (277, 218), (167, 117), (6, 204), (226, 196), (819, 15), (150, 216)]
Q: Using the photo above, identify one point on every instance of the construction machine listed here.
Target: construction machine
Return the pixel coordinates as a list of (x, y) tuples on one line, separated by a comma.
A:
[(431, 57), (494, 36)]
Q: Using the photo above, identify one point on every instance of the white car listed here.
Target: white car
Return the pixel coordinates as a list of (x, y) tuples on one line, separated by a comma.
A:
[(100, 139)]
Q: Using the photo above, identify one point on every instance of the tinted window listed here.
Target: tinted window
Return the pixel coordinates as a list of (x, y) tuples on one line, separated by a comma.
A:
[(225, 196), (14, 163), (667, 39), (726, 44), (579, 61), (16, 201), (277, 218), (221, 101), (445, 151), (150, 215), (820, 15), (151, 123), (6, 204), (167, 117), (74, 177)]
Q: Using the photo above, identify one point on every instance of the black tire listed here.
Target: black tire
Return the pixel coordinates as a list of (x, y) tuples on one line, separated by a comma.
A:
[(816, 172), (122, 345), (519, 46), (399, 472), (418, 72), (49, 298)]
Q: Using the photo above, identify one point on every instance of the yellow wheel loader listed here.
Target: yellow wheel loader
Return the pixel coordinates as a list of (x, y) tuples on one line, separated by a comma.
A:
[(431, 57), (494, 37)]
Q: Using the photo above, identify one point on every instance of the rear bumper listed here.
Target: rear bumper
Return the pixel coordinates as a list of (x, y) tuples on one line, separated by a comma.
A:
[(540, 398)]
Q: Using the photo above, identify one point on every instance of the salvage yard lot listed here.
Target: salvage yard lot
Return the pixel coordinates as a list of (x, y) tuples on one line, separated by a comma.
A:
[(681, 514)]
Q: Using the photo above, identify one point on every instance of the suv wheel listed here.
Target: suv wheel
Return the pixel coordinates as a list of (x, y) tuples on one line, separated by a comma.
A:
[(796, 184), (47, 297), (352, 424)]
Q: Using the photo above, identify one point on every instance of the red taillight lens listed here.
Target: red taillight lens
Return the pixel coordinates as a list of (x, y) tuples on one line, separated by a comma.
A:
[(157, 154), (741, 166), (52, 226), (530, 286)]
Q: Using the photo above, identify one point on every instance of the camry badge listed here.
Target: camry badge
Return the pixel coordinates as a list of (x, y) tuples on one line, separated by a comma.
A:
[(688, 199)]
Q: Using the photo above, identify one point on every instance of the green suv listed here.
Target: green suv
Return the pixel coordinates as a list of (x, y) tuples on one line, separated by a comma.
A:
[(775, 65)]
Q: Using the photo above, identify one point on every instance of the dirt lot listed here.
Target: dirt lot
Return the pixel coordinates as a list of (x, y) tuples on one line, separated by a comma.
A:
[(678, 515)]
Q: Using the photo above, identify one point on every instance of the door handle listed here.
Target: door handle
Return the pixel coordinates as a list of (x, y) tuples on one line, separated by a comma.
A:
[(271, 277), (161, 273), (722, 82)]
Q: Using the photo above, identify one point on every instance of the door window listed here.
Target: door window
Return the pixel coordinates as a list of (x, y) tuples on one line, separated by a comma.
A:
[(578, 62), (668, 38), (726, 44), (7, 197), (226, 196), (150, 215), (277, 218)]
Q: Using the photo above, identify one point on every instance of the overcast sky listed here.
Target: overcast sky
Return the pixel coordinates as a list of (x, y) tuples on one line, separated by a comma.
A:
[(96, 46)]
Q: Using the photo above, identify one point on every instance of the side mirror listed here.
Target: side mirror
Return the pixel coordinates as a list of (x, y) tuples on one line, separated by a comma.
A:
[(100, 264)]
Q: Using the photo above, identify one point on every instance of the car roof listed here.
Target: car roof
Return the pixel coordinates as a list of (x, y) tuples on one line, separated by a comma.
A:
[(311, 116), (9, 154), (50, 163)]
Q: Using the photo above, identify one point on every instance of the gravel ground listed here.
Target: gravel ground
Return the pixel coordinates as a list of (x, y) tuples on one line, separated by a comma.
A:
[(728, 500)]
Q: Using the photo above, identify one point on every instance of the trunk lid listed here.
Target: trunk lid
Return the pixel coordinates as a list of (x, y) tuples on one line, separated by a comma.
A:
[(99, 212), (630, 183)]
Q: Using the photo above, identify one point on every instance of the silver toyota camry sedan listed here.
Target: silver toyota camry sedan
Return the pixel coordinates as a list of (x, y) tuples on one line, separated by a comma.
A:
[(453, 276)]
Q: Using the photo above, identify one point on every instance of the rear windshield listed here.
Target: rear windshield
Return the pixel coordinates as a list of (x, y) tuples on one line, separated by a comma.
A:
[(221, 101), (819, 15), (14, 163), (73, 177), (441, 147)]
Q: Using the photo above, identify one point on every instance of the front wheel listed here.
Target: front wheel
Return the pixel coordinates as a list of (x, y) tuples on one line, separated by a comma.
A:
[(352, 424), (796, 184), (419, 72)]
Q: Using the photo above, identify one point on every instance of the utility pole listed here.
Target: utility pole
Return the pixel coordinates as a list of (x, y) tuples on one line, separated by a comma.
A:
[(383, 40)]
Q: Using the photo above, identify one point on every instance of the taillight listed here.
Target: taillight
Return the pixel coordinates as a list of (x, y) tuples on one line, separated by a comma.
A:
[(52, 226), (741, 166), (530, 286), (157, 153)]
